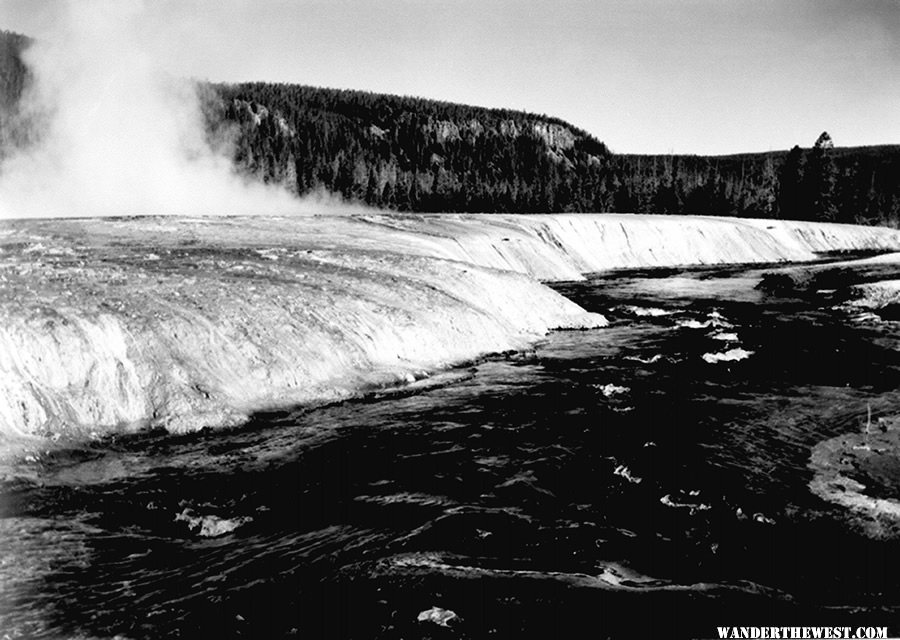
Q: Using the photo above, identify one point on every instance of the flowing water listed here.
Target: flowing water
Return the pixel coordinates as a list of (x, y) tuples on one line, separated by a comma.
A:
[(650, 479)]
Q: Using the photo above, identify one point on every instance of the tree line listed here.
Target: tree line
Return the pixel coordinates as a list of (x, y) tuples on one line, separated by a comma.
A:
[(822, 182), (410, 154), (413, 154)]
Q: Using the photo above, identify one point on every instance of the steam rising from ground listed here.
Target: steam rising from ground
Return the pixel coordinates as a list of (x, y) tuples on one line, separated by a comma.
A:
[(113, 133)]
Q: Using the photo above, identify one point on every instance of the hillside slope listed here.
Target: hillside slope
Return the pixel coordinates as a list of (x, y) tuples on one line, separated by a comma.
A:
[(421, 155), (408, 153)]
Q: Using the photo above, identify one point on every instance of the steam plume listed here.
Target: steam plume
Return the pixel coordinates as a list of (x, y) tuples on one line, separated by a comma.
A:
[(116, 134)]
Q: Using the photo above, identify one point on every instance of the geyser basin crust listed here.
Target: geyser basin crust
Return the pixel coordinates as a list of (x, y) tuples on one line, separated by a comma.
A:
[(193, 322), (861, 473), (225, 317)]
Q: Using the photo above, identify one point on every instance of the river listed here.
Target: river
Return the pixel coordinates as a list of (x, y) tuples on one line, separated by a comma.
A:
[(649, 479)]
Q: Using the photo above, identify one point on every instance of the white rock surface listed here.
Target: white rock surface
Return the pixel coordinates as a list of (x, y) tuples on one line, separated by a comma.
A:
[(732, 355), (437, 615), (192, 322), (875, 295)]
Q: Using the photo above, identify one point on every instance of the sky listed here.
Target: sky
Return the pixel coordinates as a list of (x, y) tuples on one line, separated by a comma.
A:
[(644, 76)]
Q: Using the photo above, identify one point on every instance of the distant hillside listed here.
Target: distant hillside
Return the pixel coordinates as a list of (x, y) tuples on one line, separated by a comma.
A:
[(12, 70), (13, 76), (413, 154)]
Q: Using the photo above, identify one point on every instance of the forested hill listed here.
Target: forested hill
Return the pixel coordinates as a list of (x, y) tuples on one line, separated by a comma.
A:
[(413, 154)]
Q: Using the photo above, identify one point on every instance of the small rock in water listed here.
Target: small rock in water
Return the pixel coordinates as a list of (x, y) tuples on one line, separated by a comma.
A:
[(718, 319), (610, 389), (438, 616), (694, 324), (622, 409), (210, 526), (652, 312), (732, 355), (651, 360), (692, 507), (625, 472)]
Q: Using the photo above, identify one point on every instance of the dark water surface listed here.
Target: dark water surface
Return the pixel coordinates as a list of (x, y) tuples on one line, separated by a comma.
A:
[(612, 483)]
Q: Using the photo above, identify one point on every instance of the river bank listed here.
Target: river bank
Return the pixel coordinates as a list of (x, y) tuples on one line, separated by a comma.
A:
[(183, 323)]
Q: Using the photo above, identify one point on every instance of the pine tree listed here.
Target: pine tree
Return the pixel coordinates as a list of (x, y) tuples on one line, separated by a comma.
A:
[(790, 180), (373, 193), (819, 180)]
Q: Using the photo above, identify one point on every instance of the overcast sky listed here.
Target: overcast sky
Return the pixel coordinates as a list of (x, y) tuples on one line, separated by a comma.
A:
[(684, 76)]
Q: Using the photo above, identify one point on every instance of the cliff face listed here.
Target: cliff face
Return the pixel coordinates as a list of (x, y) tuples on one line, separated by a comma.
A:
[(185, 323)]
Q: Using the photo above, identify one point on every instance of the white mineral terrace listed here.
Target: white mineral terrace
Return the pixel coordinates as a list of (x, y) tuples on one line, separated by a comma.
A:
[(116, 324)]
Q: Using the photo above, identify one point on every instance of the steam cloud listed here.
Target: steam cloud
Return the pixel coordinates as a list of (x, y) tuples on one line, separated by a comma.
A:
[(115, 134)]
